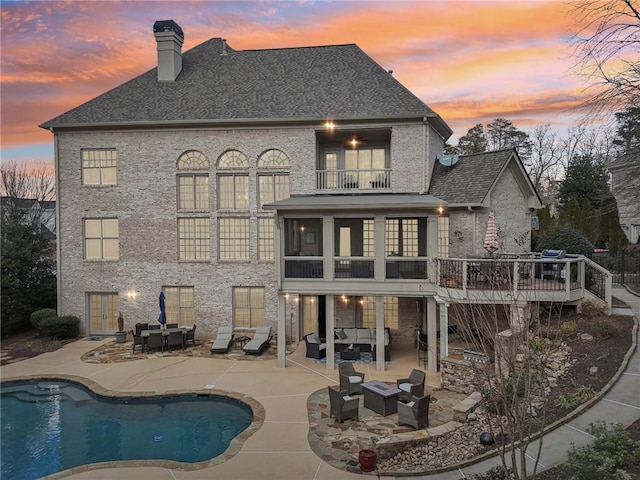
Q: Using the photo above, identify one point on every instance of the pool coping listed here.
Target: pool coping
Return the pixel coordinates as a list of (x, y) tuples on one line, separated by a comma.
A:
[(234, 448)]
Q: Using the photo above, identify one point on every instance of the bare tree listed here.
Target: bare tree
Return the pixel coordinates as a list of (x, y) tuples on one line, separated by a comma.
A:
[(606, 41), (18, 182), (513, 370), (545, 163)]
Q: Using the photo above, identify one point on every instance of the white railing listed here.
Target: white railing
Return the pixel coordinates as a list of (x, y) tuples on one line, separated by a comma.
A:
[(375, 179)]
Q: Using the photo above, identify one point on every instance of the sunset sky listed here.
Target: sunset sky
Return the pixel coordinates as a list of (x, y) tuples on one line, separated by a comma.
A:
[(470, 61)]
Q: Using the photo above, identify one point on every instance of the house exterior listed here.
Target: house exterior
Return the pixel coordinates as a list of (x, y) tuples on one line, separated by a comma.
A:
[(300, 188), (625, 184)]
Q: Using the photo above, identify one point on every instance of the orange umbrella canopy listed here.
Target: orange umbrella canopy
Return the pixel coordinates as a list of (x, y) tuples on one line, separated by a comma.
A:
[(491, 243)]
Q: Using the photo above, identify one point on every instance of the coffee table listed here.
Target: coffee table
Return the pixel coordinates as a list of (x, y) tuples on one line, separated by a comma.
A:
[(380, 397), (350, 354)]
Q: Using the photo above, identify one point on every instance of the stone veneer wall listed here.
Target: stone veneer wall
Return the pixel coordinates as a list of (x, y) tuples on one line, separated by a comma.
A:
[(462, 376)]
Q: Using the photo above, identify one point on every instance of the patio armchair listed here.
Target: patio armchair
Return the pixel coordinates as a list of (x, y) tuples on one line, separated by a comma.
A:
[(174, 339), (190, 336), (412, 386), (137, 341), (350, 380), (342, 406), (261, 339), (315, 349), (415, 413), (155, 340), (223, 340)]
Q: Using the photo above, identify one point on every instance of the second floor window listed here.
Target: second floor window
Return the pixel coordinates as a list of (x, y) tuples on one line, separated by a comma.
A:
[(234, 238), (406, 237), (193, 239), (265, 238), (273, 180), (99, 167), (101, 239), (233, 180)]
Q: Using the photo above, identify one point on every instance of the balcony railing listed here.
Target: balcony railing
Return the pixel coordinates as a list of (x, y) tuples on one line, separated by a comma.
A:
[(376, 179), (347, 268), (403, 268), (307, 268)]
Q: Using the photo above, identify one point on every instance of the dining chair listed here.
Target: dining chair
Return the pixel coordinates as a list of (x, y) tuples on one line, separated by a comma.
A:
[(175, 338), (155, 340)]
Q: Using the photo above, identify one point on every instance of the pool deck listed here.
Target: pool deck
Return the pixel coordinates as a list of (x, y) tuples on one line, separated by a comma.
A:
[(280, 449)]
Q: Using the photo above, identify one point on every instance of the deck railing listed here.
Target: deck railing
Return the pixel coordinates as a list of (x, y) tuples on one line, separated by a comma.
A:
[(572, 276)]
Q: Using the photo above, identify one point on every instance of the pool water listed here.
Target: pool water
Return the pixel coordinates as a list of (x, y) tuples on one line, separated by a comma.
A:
[(49, 426)]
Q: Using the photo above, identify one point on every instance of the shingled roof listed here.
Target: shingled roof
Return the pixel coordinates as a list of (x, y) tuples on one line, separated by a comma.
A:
[(338, 82), (471, 178)]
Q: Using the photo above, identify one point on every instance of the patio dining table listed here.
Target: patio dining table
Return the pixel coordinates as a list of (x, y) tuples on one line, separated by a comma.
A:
[(164, 332)]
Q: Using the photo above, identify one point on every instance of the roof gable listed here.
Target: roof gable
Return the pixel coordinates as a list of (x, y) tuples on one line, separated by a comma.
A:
[(338, 81), (471, 179)]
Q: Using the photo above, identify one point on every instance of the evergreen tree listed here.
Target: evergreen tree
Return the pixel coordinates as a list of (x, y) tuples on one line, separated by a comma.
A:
[(474, 141)]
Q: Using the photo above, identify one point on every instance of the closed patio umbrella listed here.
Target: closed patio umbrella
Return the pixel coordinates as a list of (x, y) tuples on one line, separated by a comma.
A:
[(163, 315), (491, 243)]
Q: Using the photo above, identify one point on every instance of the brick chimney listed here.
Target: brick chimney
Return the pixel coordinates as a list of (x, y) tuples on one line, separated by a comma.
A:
[(169, 37)]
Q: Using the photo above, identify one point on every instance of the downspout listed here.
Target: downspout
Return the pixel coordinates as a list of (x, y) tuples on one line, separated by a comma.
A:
[(473, 231), (426, 156), (56, 162)]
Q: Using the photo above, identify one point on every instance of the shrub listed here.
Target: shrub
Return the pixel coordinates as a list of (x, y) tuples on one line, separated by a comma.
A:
[(570, 400), (603, 327), (67, 326), (565, 239), (612, 451), (39, 315), (568, 329)]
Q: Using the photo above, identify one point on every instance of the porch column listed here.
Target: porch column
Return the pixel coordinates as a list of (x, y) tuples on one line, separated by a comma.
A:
[(432, 336), (379, 262), (432, 247), (444, 329), (330, 327), (380, 333), (282, 332), (328, 253)]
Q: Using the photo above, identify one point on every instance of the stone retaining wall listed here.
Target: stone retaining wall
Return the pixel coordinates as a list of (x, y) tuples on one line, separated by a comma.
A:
[(463, 376)]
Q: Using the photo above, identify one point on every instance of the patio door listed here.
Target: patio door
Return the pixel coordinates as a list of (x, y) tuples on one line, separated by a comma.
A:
[(309, 315), (103, 313)]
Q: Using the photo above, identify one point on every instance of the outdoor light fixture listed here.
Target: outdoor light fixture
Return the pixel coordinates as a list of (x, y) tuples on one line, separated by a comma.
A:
[(440, 210), (132, 294), (329, 125), (354, 141)]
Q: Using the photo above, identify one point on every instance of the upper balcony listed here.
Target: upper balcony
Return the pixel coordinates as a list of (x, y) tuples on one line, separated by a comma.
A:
[(353, 160)]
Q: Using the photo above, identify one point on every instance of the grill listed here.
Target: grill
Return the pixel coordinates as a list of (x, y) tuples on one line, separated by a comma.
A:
[(551, 271)]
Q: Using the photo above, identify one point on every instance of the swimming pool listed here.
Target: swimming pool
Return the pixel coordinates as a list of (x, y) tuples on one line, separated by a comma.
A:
[(53, 425)]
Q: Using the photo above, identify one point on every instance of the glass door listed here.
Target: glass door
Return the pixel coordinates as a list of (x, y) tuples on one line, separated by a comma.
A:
[(309, 315), (103, 313)]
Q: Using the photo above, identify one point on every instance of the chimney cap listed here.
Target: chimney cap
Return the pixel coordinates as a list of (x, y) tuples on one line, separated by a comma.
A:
[(167, 26)]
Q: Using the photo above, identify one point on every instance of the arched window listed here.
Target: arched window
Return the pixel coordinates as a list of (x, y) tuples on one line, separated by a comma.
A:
[(273, 159), (233, 186), (193, 160), (273, 185), (193, 187)]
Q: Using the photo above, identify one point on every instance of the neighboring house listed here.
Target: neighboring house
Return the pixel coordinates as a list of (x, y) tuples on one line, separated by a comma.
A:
[(625, 185), (298, 188), (42, 211)]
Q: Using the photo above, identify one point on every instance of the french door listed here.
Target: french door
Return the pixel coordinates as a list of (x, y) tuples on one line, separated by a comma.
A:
[(103, 313)]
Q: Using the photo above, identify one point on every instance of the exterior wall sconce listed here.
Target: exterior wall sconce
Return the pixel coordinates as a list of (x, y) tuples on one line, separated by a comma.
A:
[(440, 210), (131, 294), (329, 125)]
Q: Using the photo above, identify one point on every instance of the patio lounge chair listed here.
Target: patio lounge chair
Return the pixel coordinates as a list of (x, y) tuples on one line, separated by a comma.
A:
[(412, 386), (415, 413), (259, 342), (223, 340), (342, 406), (350, 380)]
